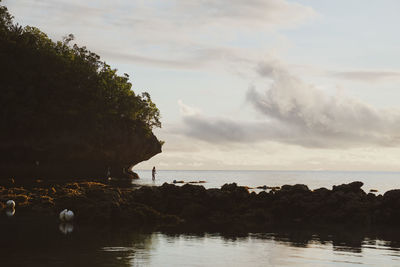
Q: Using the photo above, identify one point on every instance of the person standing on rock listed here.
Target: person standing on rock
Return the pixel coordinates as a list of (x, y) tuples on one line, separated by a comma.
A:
[(153, 173)]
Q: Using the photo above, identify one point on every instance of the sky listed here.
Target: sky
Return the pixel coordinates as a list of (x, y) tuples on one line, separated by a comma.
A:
[(250, 85)]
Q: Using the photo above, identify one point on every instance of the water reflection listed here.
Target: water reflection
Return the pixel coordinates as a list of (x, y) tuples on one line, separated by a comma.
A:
[(10, 212), (46, 243), (66, 228)]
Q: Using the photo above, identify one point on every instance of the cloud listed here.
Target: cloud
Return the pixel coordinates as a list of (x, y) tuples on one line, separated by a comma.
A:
[(367, 76), (198, 58), (165, 33), (298, 113), (262, 13)]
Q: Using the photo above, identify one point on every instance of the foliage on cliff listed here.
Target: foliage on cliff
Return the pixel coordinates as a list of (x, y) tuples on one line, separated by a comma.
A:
[(58, 97)]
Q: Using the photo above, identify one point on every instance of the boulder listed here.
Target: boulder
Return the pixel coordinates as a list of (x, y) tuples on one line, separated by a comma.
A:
[(351, 187)]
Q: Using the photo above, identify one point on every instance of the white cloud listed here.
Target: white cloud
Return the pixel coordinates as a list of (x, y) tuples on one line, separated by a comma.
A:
[(298, 113), (166, 33), (367, 76), (187, 110)]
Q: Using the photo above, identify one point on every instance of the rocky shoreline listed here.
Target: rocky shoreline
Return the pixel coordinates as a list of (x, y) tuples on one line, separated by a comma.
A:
[(230, 208)]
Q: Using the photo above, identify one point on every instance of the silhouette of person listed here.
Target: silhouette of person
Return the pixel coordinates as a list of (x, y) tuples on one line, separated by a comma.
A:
[(153, 173)]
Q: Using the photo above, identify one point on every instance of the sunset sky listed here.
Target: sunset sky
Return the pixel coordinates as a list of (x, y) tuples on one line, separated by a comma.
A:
[(256, 84)]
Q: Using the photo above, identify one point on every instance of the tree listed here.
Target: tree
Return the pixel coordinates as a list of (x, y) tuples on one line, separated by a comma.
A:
[(61, 101)]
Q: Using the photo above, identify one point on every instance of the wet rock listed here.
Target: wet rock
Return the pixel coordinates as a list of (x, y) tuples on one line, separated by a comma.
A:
[(231, 207), (321, 192), (169, 188), (229, 187), (297, 188), (237, 192), (193, 211), (193, 190), (351, 187), (392, 196)]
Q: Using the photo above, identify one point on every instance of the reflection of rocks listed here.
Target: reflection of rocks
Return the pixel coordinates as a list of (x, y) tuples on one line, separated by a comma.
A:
[(231, 207)]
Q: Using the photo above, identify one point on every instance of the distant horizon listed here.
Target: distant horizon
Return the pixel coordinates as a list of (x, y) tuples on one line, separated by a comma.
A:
[(382, 181), (232, 170)]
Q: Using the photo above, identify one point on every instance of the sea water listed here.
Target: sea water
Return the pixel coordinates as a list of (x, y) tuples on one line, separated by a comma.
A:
[(43, 243), (381, 181)]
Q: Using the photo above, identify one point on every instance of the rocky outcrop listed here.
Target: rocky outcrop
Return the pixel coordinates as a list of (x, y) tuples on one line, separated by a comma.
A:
[(71, 157), (231, 208), (65, 113)]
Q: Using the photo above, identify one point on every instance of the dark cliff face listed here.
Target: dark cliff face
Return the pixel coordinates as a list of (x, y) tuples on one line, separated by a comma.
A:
[(71, 157)]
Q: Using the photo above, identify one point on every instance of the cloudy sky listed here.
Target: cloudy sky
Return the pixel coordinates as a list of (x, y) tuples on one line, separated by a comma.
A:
[(255, 84)]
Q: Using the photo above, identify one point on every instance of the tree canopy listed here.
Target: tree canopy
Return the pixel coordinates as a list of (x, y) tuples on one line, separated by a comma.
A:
[(52, 90)]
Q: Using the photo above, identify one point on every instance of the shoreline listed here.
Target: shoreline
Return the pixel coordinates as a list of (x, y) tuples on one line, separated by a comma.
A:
[(231, 208)]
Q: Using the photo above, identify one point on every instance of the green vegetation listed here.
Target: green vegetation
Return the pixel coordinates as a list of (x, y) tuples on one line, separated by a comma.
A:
[(58, 97)]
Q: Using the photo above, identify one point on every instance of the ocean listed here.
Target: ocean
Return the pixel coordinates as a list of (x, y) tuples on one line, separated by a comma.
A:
[(381, 181)]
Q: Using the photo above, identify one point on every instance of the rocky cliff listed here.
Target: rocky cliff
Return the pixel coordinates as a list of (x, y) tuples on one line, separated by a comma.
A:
[(71, 157), (66, 113)]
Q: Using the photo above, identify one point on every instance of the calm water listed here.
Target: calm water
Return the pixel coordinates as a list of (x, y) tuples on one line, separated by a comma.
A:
[(45, 242), (41, 243), (382, 181)]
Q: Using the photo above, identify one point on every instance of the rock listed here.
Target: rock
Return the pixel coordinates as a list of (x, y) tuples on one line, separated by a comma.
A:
[(295, 188), (322, 192), (194, 190), (229, 187), (392, 195), (196, 182), (193, 211), (8, 182), (351, 187), (231, 207)]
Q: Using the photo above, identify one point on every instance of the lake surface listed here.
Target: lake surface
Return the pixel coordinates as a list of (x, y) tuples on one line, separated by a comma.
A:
[(46, 243), (381, 181)]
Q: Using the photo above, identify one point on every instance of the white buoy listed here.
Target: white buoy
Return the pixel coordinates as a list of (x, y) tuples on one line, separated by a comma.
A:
[(10, 204), (62, 215), (66, 215), (69, 216)]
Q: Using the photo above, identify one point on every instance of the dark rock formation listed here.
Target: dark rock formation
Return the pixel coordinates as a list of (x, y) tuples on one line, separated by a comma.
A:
[(231, 208), (53, 161)]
